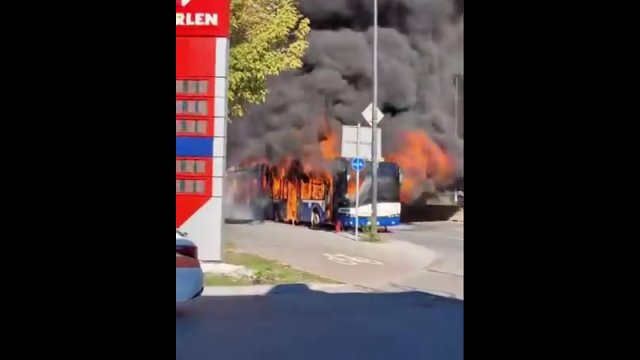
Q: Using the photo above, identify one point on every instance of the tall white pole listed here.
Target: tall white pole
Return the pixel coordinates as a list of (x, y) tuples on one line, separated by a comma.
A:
[(455, 124), (357, 179), (374, 124), (455, 104)]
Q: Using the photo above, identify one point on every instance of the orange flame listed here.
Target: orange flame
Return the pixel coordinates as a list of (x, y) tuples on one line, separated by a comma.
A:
[(329, 147), (288, 181), (351, 188), (351, 184), (421, 161)]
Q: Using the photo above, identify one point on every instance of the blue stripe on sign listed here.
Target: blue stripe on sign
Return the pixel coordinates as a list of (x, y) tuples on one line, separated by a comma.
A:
[(194, 146)]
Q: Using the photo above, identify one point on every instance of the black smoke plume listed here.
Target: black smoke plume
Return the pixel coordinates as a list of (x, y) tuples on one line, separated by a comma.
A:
[(420, 52)]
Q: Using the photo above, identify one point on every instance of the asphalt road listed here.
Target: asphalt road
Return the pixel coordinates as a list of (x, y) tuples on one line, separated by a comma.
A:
[(443, 276), (446, 239), (420, 257), (328, 254), (315, 325)]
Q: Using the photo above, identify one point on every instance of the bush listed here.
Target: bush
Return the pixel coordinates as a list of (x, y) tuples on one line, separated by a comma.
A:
[(265, 276), (368, 233)]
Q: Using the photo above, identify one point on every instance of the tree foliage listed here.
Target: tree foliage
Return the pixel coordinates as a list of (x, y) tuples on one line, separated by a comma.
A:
[(267, 37)]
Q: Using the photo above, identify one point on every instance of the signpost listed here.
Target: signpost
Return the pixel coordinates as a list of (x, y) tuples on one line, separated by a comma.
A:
[(349, 144), (368, 114), (357, 164), (373, 115)]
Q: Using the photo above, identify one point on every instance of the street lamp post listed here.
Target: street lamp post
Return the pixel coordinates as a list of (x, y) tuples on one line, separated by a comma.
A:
[(374, 125), (455, 126)]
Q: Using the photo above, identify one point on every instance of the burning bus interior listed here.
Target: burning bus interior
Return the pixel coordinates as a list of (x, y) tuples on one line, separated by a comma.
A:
[(293, 191), (389, 183)]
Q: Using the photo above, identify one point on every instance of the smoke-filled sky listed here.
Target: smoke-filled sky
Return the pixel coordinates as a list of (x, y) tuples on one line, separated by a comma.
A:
[(420, 50)]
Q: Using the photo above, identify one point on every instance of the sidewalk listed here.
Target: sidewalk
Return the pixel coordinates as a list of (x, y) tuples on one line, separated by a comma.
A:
[(332, 255)]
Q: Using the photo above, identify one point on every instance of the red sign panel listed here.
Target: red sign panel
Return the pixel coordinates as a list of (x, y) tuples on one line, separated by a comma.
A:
[(202, 18), (195, 56)]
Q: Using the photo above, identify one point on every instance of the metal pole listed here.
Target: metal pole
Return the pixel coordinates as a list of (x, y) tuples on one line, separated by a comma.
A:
[(455, 126), (455, 104), (374, 125), (357, 179)]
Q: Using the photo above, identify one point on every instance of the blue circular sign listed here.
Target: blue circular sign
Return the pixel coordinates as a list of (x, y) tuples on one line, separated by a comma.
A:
[(357, 164)]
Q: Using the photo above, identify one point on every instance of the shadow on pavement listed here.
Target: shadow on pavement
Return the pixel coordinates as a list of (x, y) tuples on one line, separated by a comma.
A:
[(295, 322)]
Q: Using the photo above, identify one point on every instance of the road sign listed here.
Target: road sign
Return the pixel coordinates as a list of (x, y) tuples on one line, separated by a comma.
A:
[(357, 164), (368, 114), (356, 142)]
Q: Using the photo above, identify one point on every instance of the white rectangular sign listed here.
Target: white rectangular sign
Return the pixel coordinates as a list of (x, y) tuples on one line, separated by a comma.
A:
[(350, 139)]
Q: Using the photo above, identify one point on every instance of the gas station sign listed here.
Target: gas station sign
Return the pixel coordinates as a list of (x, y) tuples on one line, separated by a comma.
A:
[(202, 18)]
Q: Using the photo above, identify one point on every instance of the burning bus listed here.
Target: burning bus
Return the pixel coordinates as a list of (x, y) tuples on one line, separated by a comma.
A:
[(321, 195)]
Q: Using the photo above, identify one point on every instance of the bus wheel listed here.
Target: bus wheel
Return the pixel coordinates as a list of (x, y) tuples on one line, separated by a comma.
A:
[(315, 218), (279, 214)]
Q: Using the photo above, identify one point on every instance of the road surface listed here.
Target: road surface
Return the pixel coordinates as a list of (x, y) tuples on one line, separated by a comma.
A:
[(445, 238), (425, 257), (330, 255), (445, 275), (316, 325)]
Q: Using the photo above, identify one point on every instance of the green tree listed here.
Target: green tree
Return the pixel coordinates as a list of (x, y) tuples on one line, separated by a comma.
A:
[(267, 37)]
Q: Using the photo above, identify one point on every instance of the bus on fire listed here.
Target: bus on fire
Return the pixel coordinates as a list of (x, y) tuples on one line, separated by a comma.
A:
[(291, 194)]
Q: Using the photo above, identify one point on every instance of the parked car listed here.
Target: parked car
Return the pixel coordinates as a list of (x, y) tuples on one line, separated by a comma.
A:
[(189, 276)]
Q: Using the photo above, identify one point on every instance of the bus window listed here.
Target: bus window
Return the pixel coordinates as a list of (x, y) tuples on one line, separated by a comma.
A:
[(318, 190), (305, 190)]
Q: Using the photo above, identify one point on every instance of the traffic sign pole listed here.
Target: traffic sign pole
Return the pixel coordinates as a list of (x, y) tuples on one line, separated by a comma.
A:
[(357, 164), (373, 115)]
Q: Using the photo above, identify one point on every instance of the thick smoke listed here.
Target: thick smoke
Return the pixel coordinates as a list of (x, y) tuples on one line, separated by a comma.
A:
[(420, 51)]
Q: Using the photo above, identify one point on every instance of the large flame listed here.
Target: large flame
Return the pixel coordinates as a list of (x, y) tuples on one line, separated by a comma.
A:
[(351, 188), (329, 146), (422, 162), (294, 178)]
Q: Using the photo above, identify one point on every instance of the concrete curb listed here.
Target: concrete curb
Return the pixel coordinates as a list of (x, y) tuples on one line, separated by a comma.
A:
[(255, 290)]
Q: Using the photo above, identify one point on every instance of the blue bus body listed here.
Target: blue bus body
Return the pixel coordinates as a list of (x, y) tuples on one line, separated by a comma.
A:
[(294, 196)]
